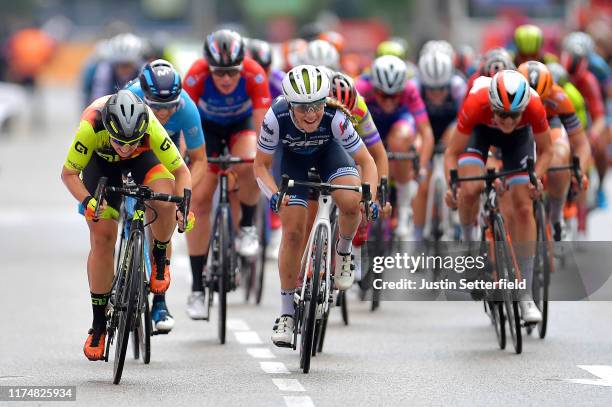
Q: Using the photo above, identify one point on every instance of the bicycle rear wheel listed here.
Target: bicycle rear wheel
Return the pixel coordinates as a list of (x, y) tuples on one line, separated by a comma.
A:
[(505, 270), (225, 264), (127, 301), (321, 241)]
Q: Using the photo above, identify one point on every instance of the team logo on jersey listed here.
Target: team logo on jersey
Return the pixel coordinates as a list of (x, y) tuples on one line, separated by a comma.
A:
[(266, 128), (190, 81), (344, 125), (80, 147), (165, 145), (259, 78)]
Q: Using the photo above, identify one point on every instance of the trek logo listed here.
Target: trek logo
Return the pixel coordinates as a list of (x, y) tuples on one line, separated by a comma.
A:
[(166, 144), (344, 125), (80, 147), (304, 143)]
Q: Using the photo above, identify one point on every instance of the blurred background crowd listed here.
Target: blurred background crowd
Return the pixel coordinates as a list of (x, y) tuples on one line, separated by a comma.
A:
[(64, 42)]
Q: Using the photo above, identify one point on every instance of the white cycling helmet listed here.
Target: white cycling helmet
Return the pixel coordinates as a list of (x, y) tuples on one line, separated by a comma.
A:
[(126, 48), (435, 69), (578, 42), (389, 74), (509, 91), (305, 84), (320, 52), (438, 45)]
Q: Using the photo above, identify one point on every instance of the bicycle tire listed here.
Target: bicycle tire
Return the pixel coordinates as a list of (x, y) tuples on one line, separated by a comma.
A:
[(261, 260), (145, 343), (542, 269), (311, 301), (344, 307), (224, 268), (128, 299), (496, 313), (503, 263), (321, 335)]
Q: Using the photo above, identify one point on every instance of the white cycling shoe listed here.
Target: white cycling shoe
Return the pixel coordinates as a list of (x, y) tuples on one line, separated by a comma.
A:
[(530, 312), (282, 332), (344, 275), (247, 241), (196, 307)]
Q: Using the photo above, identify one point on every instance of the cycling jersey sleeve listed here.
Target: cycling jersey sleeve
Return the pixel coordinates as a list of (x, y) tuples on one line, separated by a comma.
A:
[(468, 116), (592, 95), (101, 81), (268, 138), (345, 133), (162, 146), (191, 125), (365, 124), (257, 85), (563, 108), (82, 147), (193, 83), (415, 104), (577, 101)]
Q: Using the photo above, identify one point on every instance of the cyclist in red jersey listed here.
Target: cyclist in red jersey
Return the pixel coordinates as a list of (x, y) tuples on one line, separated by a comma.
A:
[(575, 60), (232, 95), (502, 111)]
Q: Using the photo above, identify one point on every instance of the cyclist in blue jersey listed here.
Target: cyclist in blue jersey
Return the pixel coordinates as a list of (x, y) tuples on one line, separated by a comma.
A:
[(159, 85), (313, 131)]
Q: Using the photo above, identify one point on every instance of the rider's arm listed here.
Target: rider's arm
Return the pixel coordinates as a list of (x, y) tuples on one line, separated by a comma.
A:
[(168, 154), (193, 83), (536, 118), (194, 138), (417, 108), (79, 154), (267, 142), (347, 137), (371, 138), (456, 145), (592, 96), (258, 89), (577, 137)]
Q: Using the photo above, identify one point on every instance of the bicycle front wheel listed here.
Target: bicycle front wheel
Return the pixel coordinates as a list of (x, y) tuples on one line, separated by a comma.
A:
[(311, 300), (543, 266), (127, 301), (225, 264)]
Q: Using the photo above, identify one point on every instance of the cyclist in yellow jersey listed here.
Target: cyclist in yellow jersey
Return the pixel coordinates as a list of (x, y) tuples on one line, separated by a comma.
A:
[(120, 133)]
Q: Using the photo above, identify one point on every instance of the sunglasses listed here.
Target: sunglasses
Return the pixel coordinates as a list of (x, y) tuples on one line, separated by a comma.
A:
[(436, 88), (125, 143), (304, 108), (392, 96), (221, 72), (505, 115)]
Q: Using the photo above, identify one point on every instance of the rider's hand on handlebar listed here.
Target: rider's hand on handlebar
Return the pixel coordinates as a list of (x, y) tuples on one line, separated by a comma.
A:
[(274, 201), (585, 184), (90, 205), (535, 193), (387, 210), (451, 201)]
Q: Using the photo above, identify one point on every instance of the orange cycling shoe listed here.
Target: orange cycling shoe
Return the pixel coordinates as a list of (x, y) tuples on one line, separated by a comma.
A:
[(159, 283), (94, 345)]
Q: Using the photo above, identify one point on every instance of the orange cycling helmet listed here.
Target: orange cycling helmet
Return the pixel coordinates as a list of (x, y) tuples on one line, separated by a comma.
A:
[(538, 75), (334, 38)]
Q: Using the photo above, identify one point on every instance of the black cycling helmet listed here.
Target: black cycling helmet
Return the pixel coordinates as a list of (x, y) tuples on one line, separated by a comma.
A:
[(125, 116), (224, 49), (160, 83), (260, 51)]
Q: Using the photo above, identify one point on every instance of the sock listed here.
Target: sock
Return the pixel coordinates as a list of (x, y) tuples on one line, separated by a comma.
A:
[(418, 233), (403, 194), (467, 232), (526, 267), (197, 268), (159, 257), (287, 302), (344, 245), (158, 298), (248, 213), (556, 209), (98, 305)]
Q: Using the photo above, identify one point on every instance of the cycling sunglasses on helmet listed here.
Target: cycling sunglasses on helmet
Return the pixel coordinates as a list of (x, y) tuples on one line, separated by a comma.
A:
[(388, 96), (162, 105)]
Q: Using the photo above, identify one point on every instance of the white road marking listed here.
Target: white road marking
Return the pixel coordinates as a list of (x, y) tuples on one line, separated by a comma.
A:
[(298, 401), (274, 367), (288, 385), (247, 337), (261, 353), (237, 325), (603, 372)]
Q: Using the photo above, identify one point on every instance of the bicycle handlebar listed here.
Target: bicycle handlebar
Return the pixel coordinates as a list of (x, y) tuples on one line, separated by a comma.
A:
[(225, 161), (383, 190)]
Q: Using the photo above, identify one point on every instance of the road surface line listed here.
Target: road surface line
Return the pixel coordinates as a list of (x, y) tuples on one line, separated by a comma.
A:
[(288, 385), (237, 325), (298, 401), (261, 353), (274, 368), (247, 337), (604, 374)]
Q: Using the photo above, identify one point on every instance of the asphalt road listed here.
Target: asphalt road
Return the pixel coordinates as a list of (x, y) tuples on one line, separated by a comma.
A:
[(407, 353)]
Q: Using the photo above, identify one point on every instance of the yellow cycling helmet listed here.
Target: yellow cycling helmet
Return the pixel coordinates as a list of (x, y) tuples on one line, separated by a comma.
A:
[(528, 39), (392, 47)]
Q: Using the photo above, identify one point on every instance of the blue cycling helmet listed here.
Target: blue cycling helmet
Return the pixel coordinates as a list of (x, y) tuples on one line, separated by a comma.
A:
[(160, 83)]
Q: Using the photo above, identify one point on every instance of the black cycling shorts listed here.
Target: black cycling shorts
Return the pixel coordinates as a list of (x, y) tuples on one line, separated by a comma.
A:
[(218, 136), (331, 161)]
